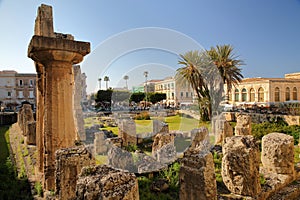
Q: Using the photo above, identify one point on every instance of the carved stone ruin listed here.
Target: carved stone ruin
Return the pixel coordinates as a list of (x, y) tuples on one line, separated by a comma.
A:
[(240, 165), (163, 148), (69, 163), (160, 127), (121, 159), (197, 172), (100, 146), (243, 124), (77, 97), (54, 55), (105, 182), (221, 129), (127, 131), (27, 124), (277, 154)]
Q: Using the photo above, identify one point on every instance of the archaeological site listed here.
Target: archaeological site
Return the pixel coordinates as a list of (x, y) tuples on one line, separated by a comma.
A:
[(67, 153)]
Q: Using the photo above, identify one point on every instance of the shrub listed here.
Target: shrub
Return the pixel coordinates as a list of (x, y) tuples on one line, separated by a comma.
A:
[(38, 188), (142, 116)]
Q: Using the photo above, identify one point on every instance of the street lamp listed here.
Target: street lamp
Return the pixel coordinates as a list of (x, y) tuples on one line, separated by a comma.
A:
[(146, 76)]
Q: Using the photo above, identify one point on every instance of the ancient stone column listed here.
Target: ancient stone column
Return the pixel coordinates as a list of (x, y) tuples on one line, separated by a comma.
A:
[(56, 53), (77, 96), (240, 165), (277, 154), (69, 163), (243, 124), (105, 182)]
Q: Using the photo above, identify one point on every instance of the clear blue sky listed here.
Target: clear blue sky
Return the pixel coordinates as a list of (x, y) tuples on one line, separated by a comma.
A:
[(266, 34)]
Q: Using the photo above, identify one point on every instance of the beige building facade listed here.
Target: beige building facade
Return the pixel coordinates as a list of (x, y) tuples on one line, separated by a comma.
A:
[(16, 88), (266, 90), (176, 93)]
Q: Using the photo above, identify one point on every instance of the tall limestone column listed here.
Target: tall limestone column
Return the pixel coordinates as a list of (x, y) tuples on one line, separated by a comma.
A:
[(55, 54)]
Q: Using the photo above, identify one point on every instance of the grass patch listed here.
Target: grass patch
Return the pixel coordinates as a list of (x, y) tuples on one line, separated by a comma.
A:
[(297, 154), (101, 159), (11, 187)]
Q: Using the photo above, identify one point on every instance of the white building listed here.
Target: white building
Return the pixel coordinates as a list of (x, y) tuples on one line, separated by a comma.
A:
[(16, 88)]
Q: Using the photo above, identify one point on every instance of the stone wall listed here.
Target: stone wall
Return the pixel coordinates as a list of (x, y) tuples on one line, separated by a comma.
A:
[(105, 182), (69, 163)]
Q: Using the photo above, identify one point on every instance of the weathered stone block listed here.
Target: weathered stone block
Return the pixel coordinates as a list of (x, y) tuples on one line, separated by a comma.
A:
[(31, 133), (105, 182), (127, 131), (100, 146), (200, 141), (121, 159), (240, 165), (222, 130), (163, 148), (243, 124), (278, 153), (197, 177), (69, 163)]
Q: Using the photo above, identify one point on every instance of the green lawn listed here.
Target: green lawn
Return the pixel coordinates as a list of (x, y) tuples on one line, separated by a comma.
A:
[(10, 186), (146, 126)]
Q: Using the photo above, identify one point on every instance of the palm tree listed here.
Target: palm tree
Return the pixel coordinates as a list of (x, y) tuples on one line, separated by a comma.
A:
[(99, 79), (228, 64), (126, 79), (146, 89), (106, 79), (191, 74)]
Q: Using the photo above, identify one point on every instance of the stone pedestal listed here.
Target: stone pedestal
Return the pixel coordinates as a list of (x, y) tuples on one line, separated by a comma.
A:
[(54, 54), (127, 131), (100, 146)]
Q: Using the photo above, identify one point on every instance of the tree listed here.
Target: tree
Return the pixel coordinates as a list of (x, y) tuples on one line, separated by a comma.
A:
[(227, 63), (155, 97), (126, 79), (137, 97), (191, 74), (106, 79), (99, 79), (103, 98)]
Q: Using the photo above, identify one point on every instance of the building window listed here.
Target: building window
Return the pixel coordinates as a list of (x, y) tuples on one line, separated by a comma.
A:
[(31, 82), (261, 95), (287, 94), (191, 94), (244, 94), (252, 95), (181, 94), (295, 93), (172, 85), (236, 95), (277, 94), (31, 94), (21, 94), (20, 82), (8, 94), (172, 95), (186, 94)]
